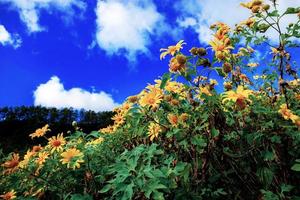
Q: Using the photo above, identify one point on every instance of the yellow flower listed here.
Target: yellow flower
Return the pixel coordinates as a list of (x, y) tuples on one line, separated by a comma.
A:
[(213, 81), (40, 132), (240, 96), (221, 47), (287, 113), (152, 98), (248, 22), (72, 157), (11, 165), (29, 154), (9, 195), (118, 119), (153, 130), (205, 90), (41, 159), (252, 64), (34, 192), (256, 77), (95, 141), (171, 49), (175, 66), (56, 142), (294, 82), (108, 129)]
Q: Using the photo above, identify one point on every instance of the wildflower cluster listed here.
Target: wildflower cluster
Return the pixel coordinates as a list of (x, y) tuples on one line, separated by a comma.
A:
[(185, 136)]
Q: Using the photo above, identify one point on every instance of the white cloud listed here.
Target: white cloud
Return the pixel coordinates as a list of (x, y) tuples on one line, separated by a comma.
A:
[(207, 12), (29, 10), (8, 39), (53, 94), (126, 26)]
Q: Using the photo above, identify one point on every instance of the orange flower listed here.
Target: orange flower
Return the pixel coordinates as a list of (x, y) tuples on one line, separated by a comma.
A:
[(40, 132), (56, 142), (171, 49), (12, 164), (37, 148), (173, 119), (9, 195)]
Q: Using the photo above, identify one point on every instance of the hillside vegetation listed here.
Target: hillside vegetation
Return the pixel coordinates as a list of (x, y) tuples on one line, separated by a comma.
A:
[(180, 138)]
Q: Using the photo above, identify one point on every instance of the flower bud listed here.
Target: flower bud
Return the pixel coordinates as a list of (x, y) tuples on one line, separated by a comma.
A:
[(257, 2), (174, 102), (181, 59), (194, 51), (133, 99), (266, 7), (227, 86), (227, 67), (201, 51), (255, 9)]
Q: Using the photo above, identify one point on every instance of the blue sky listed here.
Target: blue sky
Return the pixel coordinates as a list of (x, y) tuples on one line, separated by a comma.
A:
[(93, 54)]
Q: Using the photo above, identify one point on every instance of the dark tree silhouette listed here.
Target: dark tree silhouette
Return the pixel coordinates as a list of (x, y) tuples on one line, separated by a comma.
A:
[(16, 123)]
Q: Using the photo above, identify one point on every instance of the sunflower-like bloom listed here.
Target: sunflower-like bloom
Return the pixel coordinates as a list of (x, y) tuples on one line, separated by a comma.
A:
[(205, 90), (40, 132), (173, 119), (29, 154), (255, 6), (108, 129), (118, 118), (248, 22), (37, 148), (171, 49), (9, 195), (221, 47), (95, 141), (153, 130), (56, 143), (41, 159), (72, 157), (240, 96), (289, 115), (151, 98), (11, 165)]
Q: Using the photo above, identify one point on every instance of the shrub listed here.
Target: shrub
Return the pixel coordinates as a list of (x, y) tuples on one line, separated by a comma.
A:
[(181, 138)]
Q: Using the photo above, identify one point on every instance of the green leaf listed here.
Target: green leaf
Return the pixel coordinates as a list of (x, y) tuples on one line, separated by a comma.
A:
[(266, 176), (199, 141), (292, 10), (215, 132), (165, 78), (296, 167), (81, 197), (220, 71), (106, 188), (274, 14)]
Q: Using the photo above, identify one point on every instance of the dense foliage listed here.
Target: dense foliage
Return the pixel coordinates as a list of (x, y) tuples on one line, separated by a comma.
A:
[(17, 122), (180, 138)]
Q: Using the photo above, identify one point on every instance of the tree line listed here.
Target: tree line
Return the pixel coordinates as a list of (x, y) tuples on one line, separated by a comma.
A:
[(16, 123)]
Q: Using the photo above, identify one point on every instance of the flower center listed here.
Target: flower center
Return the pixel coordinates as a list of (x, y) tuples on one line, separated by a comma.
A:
[(56, 143)]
